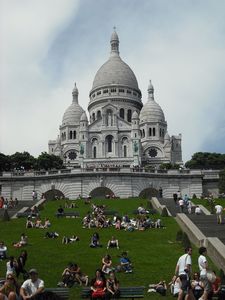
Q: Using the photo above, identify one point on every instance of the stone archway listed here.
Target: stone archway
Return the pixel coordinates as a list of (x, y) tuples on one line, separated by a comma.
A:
[(148, 193), (54, 194), (101, 193)]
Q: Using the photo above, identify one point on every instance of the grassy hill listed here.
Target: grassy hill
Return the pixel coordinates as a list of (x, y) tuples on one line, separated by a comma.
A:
[(154, 252)]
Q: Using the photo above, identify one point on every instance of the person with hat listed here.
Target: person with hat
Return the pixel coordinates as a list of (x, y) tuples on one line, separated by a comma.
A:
[(32, 286)]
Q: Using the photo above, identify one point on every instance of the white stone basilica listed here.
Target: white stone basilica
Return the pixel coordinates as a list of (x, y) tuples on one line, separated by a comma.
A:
[(121, 130)]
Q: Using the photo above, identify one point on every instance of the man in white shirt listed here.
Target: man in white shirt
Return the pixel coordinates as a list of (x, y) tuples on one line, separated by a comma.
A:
[(219, 211), (32, 286), (183, 270)]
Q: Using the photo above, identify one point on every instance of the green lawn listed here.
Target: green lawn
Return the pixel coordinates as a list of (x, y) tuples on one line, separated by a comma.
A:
[(154, 252)]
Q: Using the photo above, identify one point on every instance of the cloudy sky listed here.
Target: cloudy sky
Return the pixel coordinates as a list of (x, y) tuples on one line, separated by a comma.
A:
[(47, 45)]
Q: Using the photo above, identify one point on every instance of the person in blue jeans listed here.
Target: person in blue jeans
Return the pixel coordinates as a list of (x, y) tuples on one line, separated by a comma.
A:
[(125, 263)]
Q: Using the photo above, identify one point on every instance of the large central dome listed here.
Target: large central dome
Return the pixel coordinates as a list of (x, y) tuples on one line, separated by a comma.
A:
[(115, 71)]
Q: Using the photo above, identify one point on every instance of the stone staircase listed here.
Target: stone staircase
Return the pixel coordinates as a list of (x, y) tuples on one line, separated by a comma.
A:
[(206, 223), (14, 210)]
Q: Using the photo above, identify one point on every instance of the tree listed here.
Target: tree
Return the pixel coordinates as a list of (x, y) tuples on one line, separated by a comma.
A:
[(22, 161), (222, 181), (5, 164), (49, 161), (206, 160)]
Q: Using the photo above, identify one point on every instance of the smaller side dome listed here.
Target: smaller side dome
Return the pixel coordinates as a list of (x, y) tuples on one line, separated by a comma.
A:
[(74, 111), (151, 111), (135, 115), (83, 117)]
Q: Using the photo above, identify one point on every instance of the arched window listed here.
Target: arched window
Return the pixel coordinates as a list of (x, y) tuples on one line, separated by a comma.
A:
[(74, 134), (143, 133), (160, 132), (153, 131), (98, 114), (109, 139), (71, 134), (124, 151), (93, 117), (94, 152), (122, 113), (129, 113), (150, 131), (163, 132)]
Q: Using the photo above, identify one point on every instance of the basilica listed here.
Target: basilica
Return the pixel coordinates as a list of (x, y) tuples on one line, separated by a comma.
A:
[(120, 129)]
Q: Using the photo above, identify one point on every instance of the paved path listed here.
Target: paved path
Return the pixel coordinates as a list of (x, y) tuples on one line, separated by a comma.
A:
[(14, 210), (207, 224)]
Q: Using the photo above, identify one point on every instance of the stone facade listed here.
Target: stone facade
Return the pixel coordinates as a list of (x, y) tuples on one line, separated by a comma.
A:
[(121, 130)]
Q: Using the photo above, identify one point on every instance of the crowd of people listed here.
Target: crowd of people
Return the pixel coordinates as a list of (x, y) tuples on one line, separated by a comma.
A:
[(98, 219), (5, 203)]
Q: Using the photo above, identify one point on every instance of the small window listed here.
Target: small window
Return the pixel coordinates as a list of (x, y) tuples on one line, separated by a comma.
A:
[(129, 113), (153, 131), (105, 91), (93, 117), (52, 150), (71, 134), (94, 152), (128, 92), (74, 134), (143, 133), (99, 93), (122, 113), (135, 135), (83, 137), (93, 95), (135, 94), (113, 90), (98, 114), (150, 131), (125, 151), (121, 90)]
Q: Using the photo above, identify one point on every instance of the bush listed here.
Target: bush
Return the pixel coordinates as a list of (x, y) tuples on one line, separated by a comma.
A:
[(185, 241), (179, 235)]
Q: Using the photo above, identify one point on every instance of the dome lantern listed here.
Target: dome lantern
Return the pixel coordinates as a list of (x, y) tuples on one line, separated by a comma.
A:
[(114, 41), (150, 91), (75, 93)]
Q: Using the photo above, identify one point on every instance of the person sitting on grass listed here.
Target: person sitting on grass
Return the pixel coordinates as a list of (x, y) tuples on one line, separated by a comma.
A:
[(38, 223), (106, 264), (23, 241), (72, 239), (125, 263), (67, 276), (11, 266), (21, 261), (47, 223), (60, 212), (29, 223), (32, 286), (79, 276), (113, 243), (95, 241), (10, 289), (197, 286), (112, 287), (98, 285)]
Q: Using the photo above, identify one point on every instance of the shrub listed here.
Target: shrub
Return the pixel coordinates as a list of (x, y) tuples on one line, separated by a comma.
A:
[(185, 240), (179, 235)]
